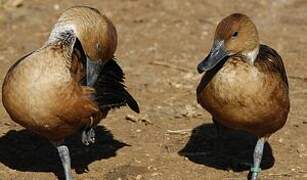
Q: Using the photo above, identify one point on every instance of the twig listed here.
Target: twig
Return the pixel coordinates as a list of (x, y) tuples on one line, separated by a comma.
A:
[(195, 154), (182, 131), (159, 63), (299, 92), (281, 174), (289, 173), (298, 77), (134, 119)]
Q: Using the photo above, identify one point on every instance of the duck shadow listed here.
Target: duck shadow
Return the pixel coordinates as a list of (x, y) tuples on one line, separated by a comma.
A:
[(233, 151), (25, 151)]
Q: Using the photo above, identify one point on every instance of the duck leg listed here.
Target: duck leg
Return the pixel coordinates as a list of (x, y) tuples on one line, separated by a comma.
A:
[(255, 170), (219, 144), (65, 159), (219, 128)]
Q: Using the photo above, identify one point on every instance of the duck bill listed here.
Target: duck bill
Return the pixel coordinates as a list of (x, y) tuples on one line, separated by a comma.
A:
[(216, 55)]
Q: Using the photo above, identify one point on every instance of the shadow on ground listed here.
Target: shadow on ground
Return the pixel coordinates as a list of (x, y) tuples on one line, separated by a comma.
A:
[(25, 151), (234, 151)]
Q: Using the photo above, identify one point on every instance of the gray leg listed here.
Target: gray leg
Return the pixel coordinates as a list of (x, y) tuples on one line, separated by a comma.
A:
[(257, 158), (219, 128), (65, 159), (219, 145), (88, 136)]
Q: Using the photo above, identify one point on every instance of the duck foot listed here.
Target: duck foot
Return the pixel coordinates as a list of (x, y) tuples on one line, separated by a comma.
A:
[(88, 136)]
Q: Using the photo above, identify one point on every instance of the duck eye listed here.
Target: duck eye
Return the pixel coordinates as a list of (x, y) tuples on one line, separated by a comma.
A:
[(235, 34)]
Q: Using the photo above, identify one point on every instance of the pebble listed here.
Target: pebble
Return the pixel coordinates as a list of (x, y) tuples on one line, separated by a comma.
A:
[(132, 118), (56, 7), (293, 169), (15, 3), (156, 174), (188, 76), (139, 177), (301, 148), (7, 124)]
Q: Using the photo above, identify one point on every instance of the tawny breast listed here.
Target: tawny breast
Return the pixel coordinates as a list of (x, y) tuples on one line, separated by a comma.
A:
[(39, 92), (240, 96)]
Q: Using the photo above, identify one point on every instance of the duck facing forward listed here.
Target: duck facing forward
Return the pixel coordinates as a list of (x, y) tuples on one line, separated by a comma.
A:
[(245, 86), (70, 83)]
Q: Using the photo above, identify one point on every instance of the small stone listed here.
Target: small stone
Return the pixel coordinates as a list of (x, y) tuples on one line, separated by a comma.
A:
[(145, 120), (188, 76), (156, 174), (176, 85), (301, 148), (56, 7), (16, 3), (204, 33), (189, 111), (138, 20), (138, 130), (131, 118), (7, 124), (137, 161), (138, 177)]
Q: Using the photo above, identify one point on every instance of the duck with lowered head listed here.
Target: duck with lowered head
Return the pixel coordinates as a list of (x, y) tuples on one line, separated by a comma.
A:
[(70, 83), (245, 86)]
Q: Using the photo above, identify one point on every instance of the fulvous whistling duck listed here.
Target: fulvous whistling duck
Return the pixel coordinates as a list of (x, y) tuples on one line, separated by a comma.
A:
[(245, 86), (70, 83)]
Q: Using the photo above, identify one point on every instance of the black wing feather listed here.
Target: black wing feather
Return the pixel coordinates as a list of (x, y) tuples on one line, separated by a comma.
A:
[(110, 89)]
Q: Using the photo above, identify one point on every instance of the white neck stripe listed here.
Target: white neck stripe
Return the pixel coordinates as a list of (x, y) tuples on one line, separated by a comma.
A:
[(58, 28), (251, 55)]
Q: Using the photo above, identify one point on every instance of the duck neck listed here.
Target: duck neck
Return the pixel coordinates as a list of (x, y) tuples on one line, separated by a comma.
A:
[(251, 56)]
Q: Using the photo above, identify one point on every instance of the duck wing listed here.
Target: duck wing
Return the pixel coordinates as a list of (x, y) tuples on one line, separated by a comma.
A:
[(272, 61), (110, 89), (107, 79)]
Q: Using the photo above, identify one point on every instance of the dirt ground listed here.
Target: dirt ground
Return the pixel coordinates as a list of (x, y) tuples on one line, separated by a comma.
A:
[(160, 45)]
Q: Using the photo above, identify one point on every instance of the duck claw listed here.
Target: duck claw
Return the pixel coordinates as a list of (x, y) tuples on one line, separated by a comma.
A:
[(88, 137)]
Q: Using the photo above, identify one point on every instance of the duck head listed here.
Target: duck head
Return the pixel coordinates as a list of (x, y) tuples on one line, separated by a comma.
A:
[(236, 35), (95, 31)]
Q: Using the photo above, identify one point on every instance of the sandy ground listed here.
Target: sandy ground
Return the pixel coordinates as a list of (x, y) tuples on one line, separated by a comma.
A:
[(160, 44)]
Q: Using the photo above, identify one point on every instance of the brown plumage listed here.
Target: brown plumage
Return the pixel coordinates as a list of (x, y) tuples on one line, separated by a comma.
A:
[(47, 91), (245, 86), (94, 30), (241, 101)]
